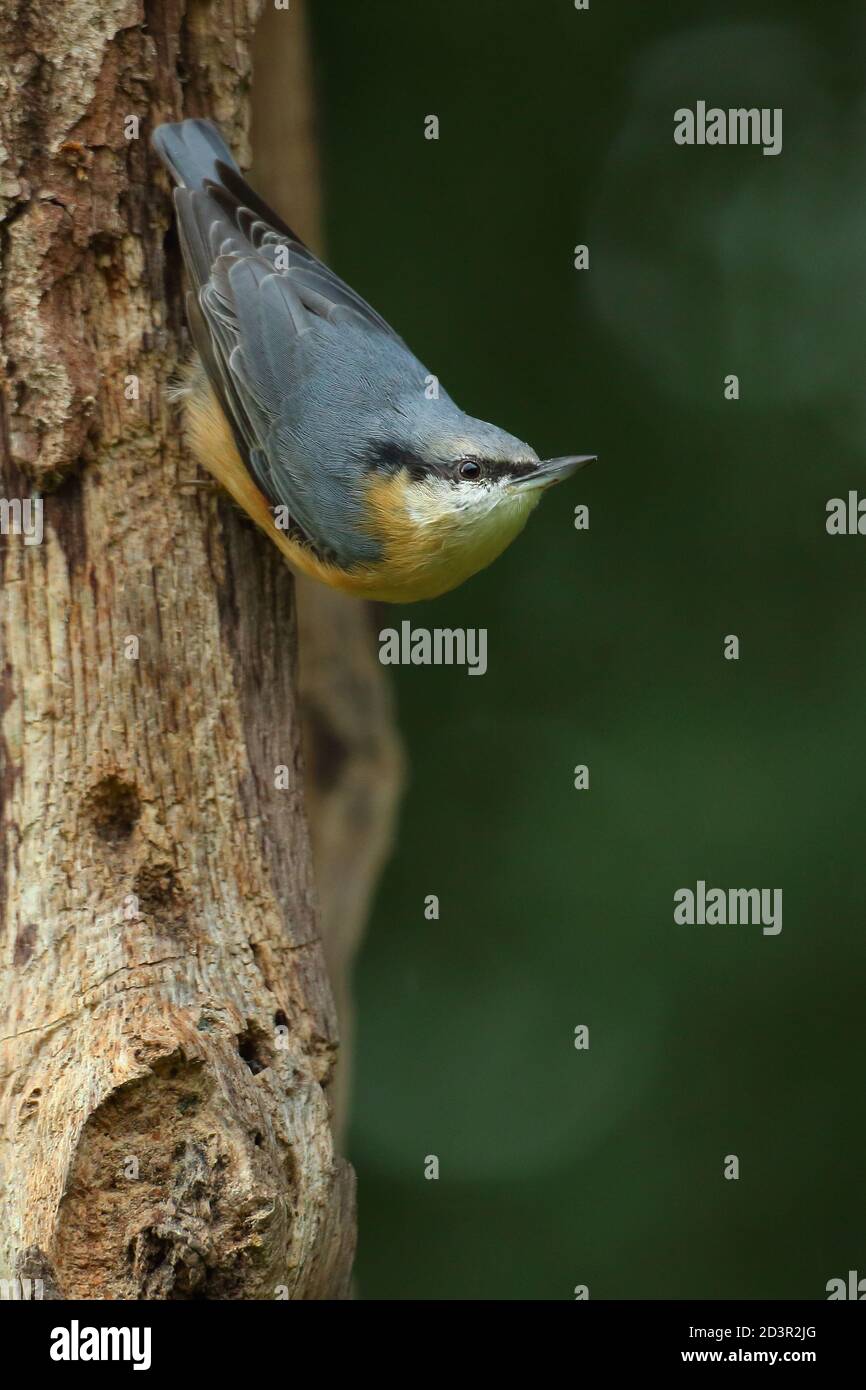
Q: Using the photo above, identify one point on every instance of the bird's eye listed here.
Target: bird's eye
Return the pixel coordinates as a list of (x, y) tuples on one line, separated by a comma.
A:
[(470, 469)]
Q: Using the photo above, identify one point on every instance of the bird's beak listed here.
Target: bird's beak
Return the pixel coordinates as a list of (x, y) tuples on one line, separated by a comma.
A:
[(551, 471)]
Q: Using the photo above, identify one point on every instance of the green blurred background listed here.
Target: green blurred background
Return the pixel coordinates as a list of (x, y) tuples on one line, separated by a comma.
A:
[(604, 1167)]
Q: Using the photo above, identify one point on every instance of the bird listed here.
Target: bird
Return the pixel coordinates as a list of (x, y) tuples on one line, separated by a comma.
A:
[(315, 416)]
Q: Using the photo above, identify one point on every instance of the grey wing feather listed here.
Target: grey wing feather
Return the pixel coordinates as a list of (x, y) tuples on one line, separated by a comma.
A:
[(265, 314)]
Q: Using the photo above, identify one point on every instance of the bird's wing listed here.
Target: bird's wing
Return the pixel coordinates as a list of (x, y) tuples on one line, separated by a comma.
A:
[(257, 292)]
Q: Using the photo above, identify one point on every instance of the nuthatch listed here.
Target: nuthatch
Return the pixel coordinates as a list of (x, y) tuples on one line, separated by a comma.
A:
[(305, 401)]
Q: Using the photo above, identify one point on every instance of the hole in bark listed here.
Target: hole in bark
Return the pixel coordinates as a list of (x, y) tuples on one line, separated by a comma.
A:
[(151, 1252), (248, 1048), (24, 944), (115, 809), (257, 1139), (154, 886), (252, 1048), (160, 898), (280, 1020)]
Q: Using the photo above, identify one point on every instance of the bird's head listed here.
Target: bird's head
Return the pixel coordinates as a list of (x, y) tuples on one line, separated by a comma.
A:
[(457, 491), (465, 470)]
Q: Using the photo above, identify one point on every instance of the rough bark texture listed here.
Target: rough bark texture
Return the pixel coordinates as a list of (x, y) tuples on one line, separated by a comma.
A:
[(169, 1037)]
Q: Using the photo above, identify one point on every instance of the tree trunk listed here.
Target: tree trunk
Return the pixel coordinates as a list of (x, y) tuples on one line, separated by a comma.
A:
[(169, 1039)]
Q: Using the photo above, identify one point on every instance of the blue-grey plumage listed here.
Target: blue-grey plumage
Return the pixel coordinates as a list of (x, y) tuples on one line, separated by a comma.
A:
[(392, 490)]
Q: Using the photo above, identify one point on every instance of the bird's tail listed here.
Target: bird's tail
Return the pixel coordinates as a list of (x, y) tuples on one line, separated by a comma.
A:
[(191, 150)]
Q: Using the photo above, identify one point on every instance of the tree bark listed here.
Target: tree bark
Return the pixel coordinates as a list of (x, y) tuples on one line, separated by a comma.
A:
[(169, 1039)]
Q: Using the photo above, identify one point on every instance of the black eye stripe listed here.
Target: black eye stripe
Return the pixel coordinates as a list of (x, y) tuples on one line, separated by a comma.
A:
[(387, 456)]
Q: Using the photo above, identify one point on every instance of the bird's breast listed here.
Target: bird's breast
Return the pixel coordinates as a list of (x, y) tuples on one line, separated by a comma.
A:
[(430, 542)]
